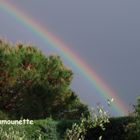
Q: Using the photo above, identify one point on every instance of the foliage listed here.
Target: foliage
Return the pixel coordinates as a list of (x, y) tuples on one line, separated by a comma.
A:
[(133, 129), (11, 134), (138, 115), (3, 115), (63, 125), (21, 132), (95, 119), (48, 129), (116, 129), (35, 86)]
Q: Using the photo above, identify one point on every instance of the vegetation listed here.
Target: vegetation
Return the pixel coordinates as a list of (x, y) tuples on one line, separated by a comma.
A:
[(48, 129), (137, 111), (35, 86), (133, 129), (94, 120)]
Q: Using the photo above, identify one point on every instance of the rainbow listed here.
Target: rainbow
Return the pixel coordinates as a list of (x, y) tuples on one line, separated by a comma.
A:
[(53, 41)]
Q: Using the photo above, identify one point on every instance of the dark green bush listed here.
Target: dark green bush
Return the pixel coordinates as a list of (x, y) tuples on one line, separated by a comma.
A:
[(49, 127), (137, 111), (133, 129), (96, 119), (115, 130), (63, 125)]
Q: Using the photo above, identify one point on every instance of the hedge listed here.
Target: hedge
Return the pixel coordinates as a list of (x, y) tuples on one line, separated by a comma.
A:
[(115, 130), (49, 129)]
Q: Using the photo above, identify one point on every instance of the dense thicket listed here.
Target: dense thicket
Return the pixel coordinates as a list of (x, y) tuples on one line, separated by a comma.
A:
[(35, 86)]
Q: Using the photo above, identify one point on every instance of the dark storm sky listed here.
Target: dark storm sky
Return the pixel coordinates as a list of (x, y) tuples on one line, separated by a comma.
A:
[(106, 34)]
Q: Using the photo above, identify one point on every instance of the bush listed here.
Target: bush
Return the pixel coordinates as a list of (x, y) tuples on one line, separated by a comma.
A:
[(137, 111), (95, 119), (54, 130), (40, 130), (47, 129), (133, 129), (10, 133), (116, 129)]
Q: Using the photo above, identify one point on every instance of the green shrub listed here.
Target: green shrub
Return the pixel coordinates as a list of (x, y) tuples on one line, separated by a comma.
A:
[(12, 133), (40, 130), (22, 132), (95, 119), (116, 129), (46, 129), (49, 129), (133, 129), (137, 108), (63, 125)]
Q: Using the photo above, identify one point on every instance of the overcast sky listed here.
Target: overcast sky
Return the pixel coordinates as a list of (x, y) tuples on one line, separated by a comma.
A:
[(106, 34)]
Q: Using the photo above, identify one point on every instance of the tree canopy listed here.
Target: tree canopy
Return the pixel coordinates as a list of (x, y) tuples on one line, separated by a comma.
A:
[(33, 85)]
